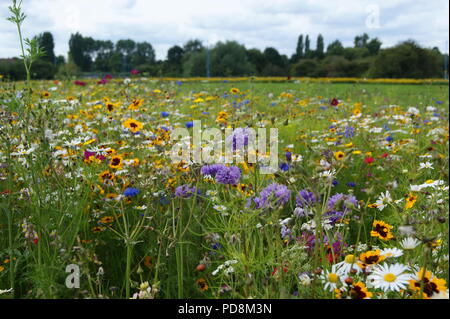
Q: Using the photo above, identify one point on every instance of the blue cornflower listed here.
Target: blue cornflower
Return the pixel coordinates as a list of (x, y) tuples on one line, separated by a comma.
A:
[(351, 184), (284, 167), (189, 124), (131, 192), (164, 114)]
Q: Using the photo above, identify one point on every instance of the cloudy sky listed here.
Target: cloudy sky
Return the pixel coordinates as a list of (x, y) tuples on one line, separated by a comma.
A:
[(255, 23)]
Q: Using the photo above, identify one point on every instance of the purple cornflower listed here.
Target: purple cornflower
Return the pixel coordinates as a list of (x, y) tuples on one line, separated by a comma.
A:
[(334, 217), (341, 202), (211, 170), (273, 195), (185, 191), (240, 138), (228, 175), (305, 198)]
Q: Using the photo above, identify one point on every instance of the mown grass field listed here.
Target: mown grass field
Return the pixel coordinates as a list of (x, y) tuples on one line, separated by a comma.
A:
[(358, 208)]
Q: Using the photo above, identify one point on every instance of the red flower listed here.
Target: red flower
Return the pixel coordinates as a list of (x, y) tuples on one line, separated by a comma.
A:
[(384, 155), (334, 102), (369, 160), (134, 72), (80, 83)]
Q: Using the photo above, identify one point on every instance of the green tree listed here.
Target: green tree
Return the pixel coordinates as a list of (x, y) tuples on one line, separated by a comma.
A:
[(193, 46), (174, 64), (374, 46), (143, 54), (299, 50), (194, 64), (308, 53), (230, 59), (47, 43), (126, 49), (320, 47), (335, 48), (257, 59), (407, 60)]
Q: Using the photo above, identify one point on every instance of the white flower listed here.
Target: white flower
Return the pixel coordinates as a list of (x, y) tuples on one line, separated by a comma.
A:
[(390, 277), (383, 200), (332, 278), (392, 252), (220, 208), (304, 279), (426, 165), (348, 264), (7, 291), (409, 243)]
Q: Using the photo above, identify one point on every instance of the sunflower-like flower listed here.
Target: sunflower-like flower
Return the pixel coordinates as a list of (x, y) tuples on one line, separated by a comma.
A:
[(202, 284), (381, 230), (359, 291), (133, 125), (410, 201), (136, 104), (339, 155), (116, 162), (431, 286), (370, 258)]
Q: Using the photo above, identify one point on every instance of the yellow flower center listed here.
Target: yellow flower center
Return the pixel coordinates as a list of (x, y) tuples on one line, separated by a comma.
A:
[(350, 259), (333, 278), (390, 277)]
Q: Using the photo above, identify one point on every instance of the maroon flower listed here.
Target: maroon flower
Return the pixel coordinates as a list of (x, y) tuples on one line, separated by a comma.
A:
[(334, 102)]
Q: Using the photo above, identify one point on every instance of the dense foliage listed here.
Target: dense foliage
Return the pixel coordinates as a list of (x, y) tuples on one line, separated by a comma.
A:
[(230, 58)]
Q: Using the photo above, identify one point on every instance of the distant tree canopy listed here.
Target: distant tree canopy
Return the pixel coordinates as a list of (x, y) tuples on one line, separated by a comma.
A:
[(365, 58)]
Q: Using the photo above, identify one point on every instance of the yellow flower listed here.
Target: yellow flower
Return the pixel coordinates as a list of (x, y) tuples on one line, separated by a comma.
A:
[(339, 155), (133, 125), (45, 94), (381, 230), (234, 90), (202, 284), (136, 104), (371, 257), (430, 285), (116, 162), (410, 201), (359, 291)]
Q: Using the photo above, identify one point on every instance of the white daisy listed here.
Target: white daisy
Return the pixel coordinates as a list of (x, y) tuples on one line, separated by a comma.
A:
[(383, 200), (390, 277), (426, 165), (332, 278), (392, 252), (409, 243), (348, 264)]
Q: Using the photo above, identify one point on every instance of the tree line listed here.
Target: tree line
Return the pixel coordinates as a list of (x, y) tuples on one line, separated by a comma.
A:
[(365, 58)]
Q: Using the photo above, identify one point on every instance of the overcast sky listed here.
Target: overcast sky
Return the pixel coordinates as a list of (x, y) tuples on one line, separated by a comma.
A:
[(255, 23)]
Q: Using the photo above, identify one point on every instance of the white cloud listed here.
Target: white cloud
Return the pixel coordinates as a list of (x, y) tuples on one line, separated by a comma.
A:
[(254, 23)]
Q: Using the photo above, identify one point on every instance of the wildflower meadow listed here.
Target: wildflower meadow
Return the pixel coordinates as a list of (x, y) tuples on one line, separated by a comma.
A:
[(346, 196)]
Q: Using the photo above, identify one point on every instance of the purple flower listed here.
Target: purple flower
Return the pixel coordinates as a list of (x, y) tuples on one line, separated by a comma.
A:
[(273, 195), (284, 167), (228, 175), (185, 191), (211, 170), (341, 202), (288, 156), (240, 138), (305, 198), (334, 217)]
